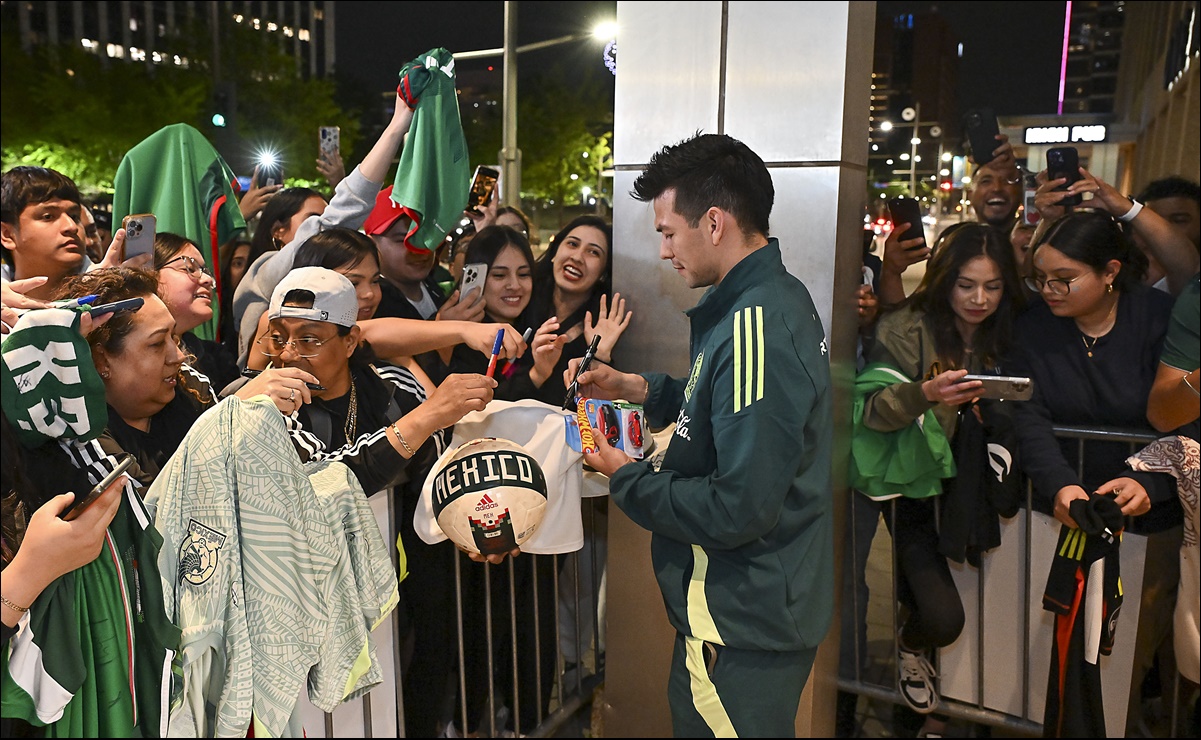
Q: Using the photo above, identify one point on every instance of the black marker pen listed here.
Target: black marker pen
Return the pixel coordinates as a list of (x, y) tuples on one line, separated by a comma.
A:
[(574, 388), (249, 373)]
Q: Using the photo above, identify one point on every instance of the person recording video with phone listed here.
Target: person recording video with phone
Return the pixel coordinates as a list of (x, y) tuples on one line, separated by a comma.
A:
[(353, 201), (958, 321), (995, 194), (81, 582), (1151, 233)]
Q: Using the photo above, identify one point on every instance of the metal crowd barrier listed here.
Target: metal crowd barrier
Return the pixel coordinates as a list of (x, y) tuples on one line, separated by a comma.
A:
[(577, 590), (977, 710)]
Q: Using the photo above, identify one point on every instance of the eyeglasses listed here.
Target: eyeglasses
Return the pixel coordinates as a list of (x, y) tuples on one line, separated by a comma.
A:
[(1057, 286), (273, 345), (195, 270)]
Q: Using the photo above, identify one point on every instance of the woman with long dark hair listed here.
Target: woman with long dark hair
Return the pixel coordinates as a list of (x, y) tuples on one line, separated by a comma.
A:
[(958, 321), (233, 258), (572, 302)]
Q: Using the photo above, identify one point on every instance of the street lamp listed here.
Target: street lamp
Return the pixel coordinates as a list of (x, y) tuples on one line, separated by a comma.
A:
[(510, 155), (913, 118)]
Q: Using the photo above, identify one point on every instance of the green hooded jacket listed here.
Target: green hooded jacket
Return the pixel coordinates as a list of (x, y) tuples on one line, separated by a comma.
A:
[(911, 461)]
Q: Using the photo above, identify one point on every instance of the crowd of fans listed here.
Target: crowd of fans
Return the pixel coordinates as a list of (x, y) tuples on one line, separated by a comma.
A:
[(1098, 307), (363, 344), (371, 352)]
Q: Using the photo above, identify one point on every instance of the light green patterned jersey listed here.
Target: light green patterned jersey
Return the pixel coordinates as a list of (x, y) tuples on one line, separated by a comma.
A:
[(260, 576), (365, 590)]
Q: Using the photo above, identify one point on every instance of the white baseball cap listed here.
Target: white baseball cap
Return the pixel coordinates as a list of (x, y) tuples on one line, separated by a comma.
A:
[(334, 299)]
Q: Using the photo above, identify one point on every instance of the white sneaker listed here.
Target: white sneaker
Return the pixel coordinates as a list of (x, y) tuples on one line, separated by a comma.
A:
[(915, 681)]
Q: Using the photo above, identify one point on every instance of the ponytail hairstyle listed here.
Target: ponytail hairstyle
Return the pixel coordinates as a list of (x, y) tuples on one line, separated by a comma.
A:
[(1095, 238)]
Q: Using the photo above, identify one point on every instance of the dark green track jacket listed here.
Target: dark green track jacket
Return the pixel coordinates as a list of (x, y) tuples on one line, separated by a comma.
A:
[(740, 504)]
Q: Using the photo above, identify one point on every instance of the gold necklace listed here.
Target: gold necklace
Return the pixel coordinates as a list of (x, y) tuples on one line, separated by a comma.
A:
[(352, 414), (1088, 346)]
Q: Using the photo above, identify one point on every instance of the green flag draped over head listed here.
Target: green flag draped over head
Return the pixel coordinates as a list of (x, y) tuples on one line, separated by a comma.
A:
[(49, 385), (176, 174), (433, 176)]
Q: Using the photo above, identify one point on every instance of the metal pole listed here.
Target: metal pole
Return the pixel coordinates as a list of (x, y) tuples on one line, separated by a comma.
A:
[(510, 155), (913, 151)]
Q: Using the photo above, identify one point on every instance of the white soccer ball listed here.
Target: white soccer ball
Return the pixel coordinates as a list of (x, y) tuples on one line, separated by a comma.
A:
[(489, 495)]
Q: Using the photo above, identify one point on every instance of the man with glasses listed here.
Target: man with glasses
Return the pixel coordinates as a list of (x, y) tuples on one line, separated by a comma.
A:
[(359, 413)]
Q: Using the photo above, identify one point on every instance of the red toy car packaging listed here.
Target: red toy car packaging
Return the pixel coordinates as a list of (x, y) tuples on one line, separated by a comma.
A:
[(618, 422)]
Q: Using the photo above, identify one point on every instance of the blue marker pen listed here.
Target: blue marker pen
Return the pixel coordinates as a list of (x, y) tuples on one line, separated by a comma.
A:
[(76, 302)]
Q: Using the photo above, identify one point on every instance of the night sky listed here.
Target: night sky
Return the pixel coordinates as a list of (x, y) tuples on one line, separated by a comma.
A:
[(375, 39), (1011, 50)]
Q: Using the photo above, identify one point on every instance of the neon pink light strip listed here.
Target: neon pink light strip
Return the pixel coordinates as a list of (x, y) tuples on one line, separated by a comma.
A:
[(1063, 62)]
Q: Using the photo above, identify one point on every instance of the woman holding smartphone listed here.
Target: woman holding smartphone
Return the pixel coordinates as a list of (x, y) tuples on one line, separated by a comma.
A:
[(153, 395), (958, 321), (77, 554)]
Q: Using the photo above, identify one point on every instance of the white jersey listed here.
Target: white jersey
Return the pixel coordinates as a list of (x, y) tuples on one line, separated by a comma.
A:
[(540, 429)]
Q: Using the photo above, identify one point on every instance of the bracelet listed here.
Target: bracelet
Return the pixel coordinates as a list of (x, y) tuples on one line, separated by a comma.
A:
[(1128, 216), (14, 607), (401, 438), (1190, 385)]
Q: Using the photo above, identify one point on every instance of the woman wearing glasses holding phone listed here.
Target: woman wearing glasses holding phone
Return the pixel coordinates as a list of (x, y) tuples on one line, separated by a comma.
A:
[(153, 394), (187, 286), (1091, 347)]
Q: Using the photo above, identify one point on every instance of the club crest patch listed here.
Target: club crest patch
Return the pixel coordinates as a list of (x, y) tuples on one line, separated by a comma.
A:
[(198, 553), (694, 376)]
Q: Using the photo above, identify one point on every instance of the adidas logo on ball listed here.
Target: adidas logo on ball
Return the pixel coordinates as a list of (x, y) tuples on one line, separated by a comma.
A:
[(513, 498)]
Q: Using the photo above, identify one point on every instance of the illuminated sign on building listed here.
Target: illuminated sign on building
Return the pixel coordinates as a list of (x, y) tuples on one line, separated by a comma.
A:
[(1063, 134)]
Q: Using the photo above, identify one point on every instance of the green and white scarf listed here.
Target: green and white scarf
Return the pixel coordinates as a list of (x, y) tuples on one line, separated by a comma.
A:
[(49, 387)]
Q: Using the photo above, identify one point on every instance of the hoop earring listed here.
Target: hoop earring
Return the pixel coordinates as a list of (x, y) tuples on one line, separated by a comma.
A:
[(277, 242)]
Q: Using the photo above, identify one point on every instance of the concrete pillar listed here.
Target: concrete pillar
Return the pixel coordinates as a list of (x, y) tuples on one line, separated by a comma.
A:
[(792, 81)]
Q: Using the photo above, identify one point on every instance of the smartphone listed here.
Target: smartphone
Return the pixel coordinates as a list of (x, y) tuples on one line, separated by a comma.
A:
[(482, 187), (1030, 214), (982, 131), (271, 172), (129, 304), (139, 234), (1064, 161), (78, 506), (1003, 387), (473, 277), (905, 210), (329, 139)]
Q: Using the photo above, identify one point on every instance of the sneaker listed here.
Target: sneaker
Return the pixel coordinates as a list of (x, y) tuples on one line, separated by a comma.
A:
[(916, 681)]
